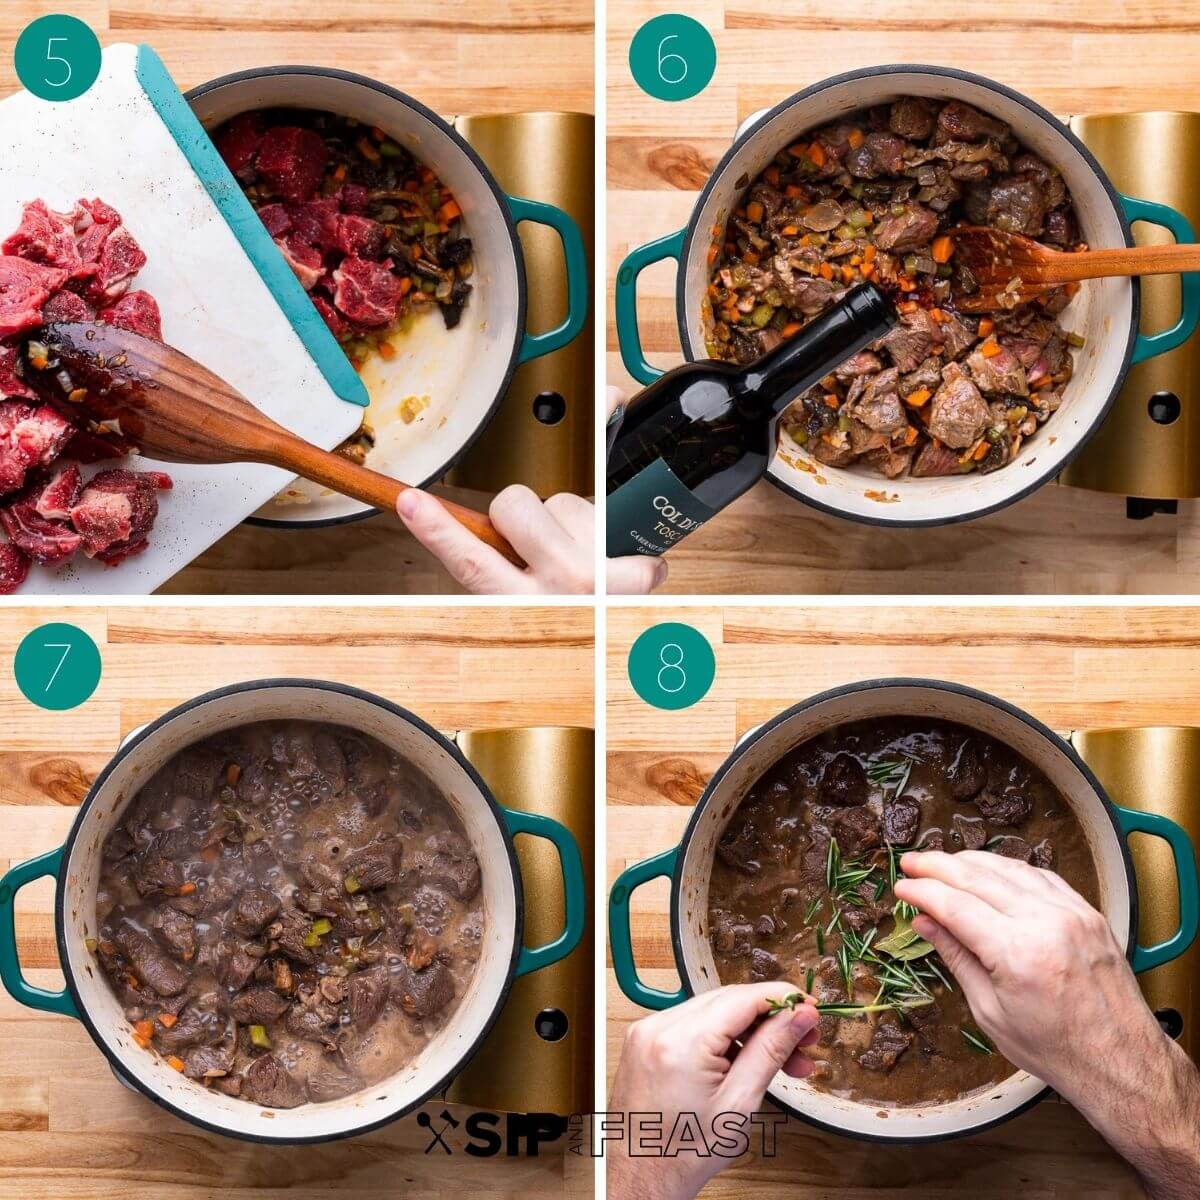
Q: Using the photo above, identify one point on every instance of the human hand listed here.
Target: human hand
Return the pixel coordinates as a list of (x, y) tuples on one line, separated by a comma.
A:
[(1039, 966), (556, 538), (1049, 985), (635, 574), (679, 1061)]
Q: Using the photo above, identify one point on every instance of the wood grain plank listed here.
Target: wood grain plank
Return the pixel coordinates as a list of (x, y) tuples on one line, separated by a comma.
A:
[(1076, 667)]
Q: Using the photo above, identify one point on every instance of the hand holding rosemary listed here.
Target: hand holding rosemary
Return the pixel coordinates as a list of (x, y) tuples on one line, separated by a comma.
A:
[(905, 967)]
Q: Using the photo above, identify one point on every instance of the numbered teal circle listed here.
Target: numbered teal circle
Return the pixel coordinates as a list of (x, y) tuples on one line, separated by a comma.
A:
[(57, 57), (672, 57), (57, 666), (672, 665)]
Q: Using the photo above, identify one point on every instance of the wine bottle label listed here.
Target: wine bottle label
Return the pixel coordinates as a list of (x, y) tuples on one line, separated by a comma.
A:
[(652, 512)]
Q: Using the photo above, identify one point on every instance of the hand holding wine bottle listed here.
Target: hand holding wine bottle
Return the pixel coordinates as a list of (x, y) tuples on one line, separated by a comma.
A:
[(697, 438)]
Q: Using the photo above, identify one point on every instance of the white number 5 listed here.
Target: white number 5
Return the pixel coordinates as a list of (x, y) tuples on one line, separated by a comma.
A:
[(663, 59), (56, 58)]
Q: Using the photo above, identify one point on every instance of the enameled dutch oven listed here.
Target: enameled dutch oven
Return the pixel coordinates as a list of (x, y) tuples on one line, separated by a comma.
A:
[(1105, 311), (490, 828), (464, 371), (689, 866)]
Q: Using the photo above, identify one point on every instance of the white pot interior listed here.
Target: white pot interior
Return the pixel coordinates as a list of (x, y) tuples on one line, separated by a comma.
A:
[(1102, 311), (911, 700), (448, 1047), (461, 371)]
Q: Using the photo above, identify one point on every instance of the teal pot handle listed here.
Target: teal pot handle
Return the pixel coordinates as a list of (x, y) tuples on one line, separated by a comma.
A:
[(10, 965), (534, 345), (1133, 820), (621, 939), (574, 894), (628, 337), (1150, 344)]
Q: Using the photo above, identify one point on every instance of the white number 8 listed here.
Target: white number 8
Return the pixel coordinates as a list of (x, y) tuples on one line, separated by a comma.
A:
[(667, 665), (55, 58), (663, 59)]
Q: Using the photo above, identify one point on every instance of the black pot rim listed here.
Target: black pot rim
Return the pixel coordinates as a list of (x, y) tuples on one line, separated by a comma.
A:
[(257, 685), (445, 128), (873, 685), (1047, 118)]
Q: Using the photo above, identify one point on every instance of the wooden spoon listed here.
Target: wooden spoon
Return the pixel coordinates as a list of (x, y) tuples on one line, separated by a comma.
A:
[(1011, 269), (170, 407)]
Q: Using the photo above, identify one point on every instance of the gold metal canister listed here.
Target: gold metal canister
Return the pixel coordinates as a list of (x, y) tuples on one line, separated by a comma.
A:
[(547, 156), (1154, 156), (1157, 769), (547, 770)]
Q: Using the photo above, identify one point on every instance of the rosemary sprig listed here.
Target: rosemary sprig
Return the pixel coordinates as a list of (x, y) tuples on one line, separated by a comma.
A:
[(793, 999), (978, 1042)]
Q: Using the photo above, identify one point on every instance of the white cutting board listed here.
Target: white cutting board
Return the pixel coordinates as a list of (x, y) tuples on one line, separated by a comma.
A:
[(251, 324)]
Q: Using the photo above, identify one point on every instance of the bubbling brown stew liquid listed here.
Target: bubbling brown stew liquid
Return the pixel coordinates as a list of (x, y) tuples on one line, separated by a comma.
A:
[(876, 788), (288, 912)]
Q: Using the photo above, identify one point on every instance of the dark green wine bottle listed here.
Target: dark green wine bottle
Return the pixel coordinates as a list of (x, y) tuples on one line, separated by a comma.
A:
[(700, 436)]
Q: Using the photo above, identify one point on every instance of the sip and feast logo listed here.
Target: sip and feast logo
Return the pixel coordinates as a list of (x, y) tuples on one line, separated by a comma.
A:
[(643, 1134)]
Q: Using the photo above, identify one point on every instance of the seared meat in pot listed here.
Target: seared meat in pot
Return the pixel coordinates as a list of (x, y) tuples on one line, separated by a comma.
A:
[(876, 196)]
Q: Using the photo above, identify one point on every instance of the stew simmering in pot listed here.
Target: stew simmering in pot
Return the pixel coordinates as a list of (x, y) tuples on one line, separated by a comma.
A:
[(801, 889), (288, 912)]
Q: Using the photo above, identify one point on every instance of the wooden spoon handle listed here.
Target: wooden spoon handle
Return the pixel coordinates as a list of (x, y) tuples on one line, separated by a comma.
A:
[(380, 491), (1135, 260)]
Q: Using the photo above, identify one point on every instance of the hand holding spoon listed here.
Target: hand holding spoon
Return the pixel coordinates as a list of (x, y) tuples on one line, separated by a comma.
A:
[(1011, 269), (172, 408)]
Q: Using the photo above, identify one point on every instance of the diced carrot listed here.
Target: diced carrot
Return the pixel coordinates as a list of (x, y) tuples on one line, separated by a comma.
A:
[(990, 348), (905, 284), (791, 191), (797, 151), (847, 274), (938, 315), (713, 251), (917, 398), (406, 285), (831, 400), (910, 435), (141, 1041), (716, 231), (771, 175), (186, 889), (754, 211), (806, 240), (175, 1062), (868, 271), (908, 306), (411, 185), (378, 133), (449, 212), (339, 173), (367, 149), (855, 138), (210, 853), (426, 174), (816, 154), (750, 258), (790, 230), (387, 351), (986, 325), (144, 1028), (941, 248), (167, 1020), (869, 252), (790, 329), (233, 772), (826, 271), (980, 451)]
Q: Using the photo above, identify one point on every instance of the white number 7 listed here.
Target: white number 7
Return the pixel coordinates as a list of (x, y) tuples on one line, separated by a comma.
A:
[(65, 647), (52, 58)]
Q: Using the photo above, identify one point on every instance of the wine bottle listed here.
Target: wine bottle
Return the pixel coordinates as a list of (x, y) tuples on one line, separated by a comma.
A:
[(700, 435)]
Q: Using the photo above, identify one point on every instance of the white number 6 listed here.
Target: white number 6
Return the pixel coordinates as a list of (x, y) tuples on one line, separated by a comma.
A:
[(663, 59), (56, 58)]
